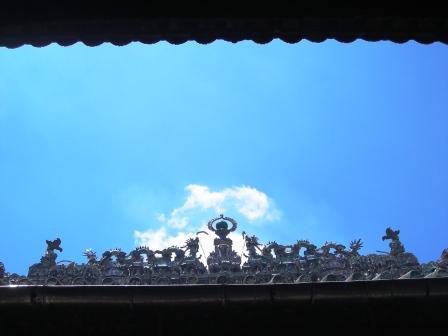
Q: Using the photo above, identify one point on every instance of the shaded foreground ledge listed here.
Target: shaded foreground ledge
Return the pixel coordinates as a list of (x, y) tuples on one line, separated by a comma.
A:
[(226, 295), (360, 308)]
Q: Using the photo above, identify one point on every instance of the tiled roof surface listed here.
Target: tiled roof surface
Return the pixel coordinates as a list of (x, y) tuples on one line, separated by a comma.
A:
[(206, 21)]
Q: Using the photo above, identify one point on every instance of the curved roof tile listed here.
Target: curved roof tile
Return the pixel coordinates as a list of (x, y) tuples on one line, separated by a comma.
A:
[(100, 22)]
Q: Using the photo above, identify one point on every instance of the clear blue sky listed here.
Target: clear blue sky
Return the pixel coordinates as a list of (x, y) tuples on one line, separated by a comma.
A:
[(344, 140)]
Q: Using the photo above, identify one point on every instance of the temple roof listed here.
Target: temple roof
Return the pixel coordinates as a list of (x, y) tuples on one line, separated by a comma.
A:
[(96, 22)]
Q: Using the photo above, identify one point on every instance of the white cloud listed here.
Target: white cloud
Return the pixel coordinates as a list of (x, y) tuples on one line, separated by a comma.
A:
[(160, 239), (249, 202), (200, 205)]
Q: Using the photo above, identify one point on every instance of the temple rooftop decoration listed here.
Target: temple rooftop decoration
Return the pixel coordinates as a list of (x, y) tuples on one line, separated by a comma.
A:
[(269, 263), (98, 21), (326, 290)]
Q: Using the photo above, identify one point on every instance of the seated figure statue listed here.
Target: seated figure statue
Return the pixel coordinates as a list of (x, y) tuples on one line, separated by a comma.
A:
[(223, 258)]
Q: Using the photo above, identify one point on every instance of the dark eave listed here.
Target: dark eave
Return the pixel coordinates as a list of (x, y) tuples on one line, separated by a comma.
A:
[(216, 295), (384, 307), (47, 21)]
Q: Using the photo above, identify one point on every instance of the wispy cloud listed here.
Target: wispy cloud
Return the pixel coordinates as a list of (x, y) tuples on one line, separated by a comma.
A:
[(201, 203), (250, 203)]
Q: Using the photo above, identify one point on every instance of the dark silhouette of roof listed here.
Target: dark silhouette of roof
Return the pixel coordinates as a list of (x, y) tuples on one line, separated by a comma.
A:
[(43, 22), (385, 307)]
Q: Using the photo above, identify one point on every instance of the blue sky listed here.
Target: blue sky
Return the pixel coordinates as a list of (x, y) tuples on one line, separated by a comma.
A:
[(111, 146)]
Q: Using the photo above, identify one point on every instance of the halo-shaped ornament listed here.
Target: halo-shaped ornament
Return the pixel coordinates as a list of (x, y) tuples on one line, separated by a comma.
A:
[(220, 225)]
